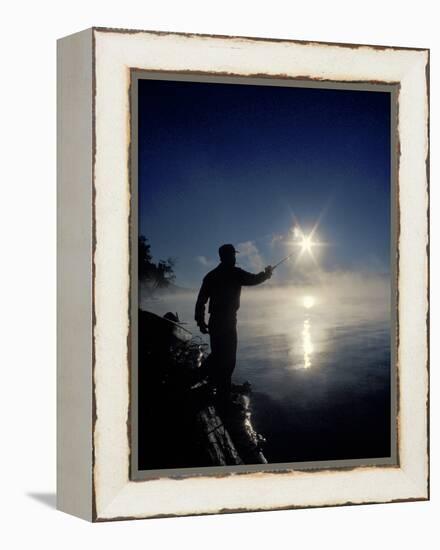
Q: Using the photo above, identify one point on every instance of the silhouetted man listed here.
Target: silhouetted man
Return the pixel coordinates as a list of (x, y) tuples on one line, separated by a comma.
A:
[(222, 287)]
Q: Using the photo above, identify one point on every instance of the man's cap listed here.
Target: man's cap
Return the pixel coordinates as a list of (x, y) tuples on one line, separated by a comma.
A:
[(226, 249)]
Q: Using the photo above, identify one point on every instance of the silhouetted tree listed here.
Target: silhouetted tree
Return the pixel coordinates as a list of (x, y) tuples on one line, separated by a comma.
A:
[(158, 275)]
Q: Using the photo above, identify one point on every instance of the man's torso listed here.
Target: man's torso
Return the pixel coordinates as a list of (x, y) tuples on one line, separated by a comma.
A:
[(224, 287)]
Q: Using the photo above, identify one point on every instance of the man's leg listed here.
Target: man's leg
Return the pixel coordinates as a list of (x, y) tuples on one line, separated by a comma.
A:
[(223, 336), (214, 360), (230, 356)]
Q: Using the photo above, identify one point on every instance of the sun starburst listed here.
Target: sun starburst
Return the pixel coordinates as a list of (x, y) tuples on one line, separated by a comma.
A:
[(305, 242)]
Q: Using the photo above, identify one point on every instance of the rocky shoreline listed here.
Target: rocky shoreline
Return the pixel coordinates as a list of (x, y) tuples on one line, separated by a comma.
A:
[(180, 423)]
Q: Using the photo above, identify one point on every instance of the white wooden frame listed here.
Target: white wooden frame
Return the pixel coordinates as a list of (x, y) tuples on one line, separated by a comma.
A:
[(94, 275)]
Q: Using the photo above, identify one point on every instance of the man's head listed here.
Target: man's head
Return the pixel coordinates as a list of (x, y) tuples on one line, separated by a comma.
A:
[(227, 254)]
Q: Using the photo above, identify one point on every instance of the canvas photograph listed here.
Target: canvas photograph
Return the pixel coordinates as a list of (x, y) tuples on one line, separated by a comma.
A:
[(263, 275), (242, 274)]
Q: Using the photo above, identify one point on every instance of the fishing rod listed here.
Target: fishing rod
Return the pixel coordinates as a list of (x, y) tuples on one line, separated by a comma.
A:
[(282, 261)]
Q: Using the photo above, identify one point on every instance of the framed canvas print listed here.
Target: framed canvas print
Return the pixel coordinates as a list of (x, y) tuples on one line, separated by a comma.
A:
[(242, 274)]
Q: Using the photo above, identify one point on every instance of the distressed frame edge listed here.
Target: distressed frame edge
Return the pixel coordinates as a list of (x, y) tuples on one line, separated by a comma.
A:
[(351, 45), (106, 518), (428, 269), (74, 286)]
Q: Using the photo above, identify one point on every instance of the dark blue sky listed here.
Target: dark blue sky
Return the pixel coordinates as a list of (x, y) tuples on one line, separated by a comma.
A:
[(225, 163)]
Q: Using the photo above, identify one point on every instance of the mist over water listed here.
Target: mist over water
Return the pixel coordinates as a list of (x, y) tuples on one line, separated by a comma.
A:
[(318, 359)]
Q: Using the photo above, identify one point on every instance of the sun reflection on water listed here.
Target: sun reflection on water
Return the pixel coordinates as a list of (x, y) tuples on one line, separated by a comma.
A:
[(307, 344)]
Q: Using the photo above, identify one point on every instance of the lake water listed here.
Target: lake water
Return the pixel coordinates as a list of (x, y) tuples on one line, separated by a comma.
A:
[(318, 360)]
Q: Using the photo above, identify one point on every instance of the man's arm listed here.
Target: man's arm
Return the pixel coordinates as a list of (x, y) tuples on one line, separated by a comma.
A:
[(252, 279), (202, 298)]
